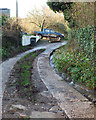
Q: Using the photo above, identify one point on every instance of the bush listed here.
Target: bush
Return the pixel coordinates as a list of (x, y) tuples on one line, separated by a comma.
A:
[(77, 58), (80, 67), (10, 36), (85, 40)]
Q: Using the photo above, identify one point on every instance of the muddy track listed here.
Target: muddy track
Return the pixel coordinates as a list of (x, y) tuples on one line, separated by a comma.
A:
[(15, 106)]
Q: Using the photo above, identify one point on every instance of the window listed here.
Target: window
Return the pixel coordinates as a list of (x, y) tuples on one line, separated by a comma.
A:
[(47, 31), (52, 31)]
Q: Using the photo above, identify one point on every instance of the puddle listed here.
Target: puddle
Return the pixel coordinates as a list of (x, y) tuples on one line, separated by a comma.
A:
[(88, 93)]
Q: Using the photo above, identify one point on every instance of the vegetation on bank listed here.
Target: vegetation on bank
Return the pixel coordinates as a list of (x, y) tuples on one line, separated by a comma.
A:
[(78, 60), (11, 38), (78, 57), (77, 65), (11, 51)]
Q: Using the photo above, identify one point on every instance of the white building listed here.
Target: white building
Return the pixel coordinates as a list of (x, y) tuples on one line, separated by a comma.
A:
[(5, 11)]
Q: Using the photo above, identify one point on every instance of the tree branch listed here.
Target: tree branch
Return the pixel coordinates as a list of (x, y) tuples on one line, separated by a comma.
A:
[(35, 24)]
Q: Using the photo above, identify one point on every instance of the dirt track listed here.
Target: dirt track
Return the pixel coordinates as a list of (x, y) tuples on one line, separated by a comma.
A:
[(43, 100)]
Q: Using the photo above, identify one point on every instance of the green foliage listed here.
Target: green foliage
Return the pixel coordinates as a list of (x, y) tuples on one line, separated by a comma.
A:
[(10, 35), (85, 40), (2, 51), (69, 34), (4, 20), (78, 58), (78, 14), (59, 6), (64, 7), (11, 51), (80, 67), (24, 70), (83, 13)]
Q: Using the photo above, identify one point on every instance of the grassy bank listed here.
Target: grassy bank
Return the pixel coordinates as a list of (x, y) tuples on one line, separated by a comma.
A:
[(11, 38), (12, 51), (77, 57)]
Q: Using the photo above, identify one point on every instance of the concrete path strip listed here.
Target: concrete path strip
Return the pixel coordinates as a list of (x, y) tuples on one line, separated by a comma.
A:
[(72, 102), (42, 115)]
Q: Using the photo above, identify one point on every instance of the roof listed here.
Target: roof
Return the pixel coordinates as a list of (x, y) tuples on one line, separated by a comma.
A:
[(4, 9)]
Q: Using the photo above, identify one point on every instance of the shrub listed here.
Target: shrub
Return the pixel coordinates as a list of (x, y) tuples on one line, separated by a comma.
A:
[(77, 58), (10, 35), (77, 65), (85, 40)]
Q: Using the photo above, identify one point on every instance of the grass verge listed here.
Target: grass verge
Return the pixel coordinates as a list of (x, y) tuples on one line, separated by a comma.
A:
[(23, 70), (13, 51)]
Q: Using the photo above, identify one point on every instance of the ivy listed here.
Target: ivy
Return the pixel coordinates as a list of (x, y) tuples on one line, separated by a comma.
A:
[(78, 61)]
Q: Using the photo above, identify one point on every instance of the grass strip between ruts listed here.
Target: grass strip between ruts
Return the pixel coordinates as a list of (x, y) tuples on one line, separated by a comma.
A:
[(23, 71)]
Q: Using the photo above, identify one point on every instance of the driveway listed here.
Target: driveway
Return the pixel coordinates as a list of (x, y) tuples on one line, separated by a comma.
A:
[(6, 66), (71, 101)]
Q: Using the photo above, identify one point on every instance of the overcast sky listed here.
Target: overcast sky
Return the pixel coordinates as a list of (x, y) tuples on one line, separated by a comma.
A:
[(23, 6)]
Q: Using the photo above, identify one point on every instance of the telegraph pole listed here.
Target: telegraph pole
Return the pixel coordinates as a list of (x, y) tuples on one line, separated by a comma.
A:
[(16, 8), (17, 24)]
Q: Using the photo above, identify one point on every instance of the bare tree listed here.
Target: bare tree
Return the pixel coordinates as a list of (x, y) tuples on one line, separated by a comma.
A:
[(46, 18)]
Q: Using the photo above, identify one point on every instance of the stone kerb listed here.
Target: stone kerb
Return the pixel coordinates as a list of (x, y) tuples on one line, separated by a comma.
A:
[(72, 102)]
